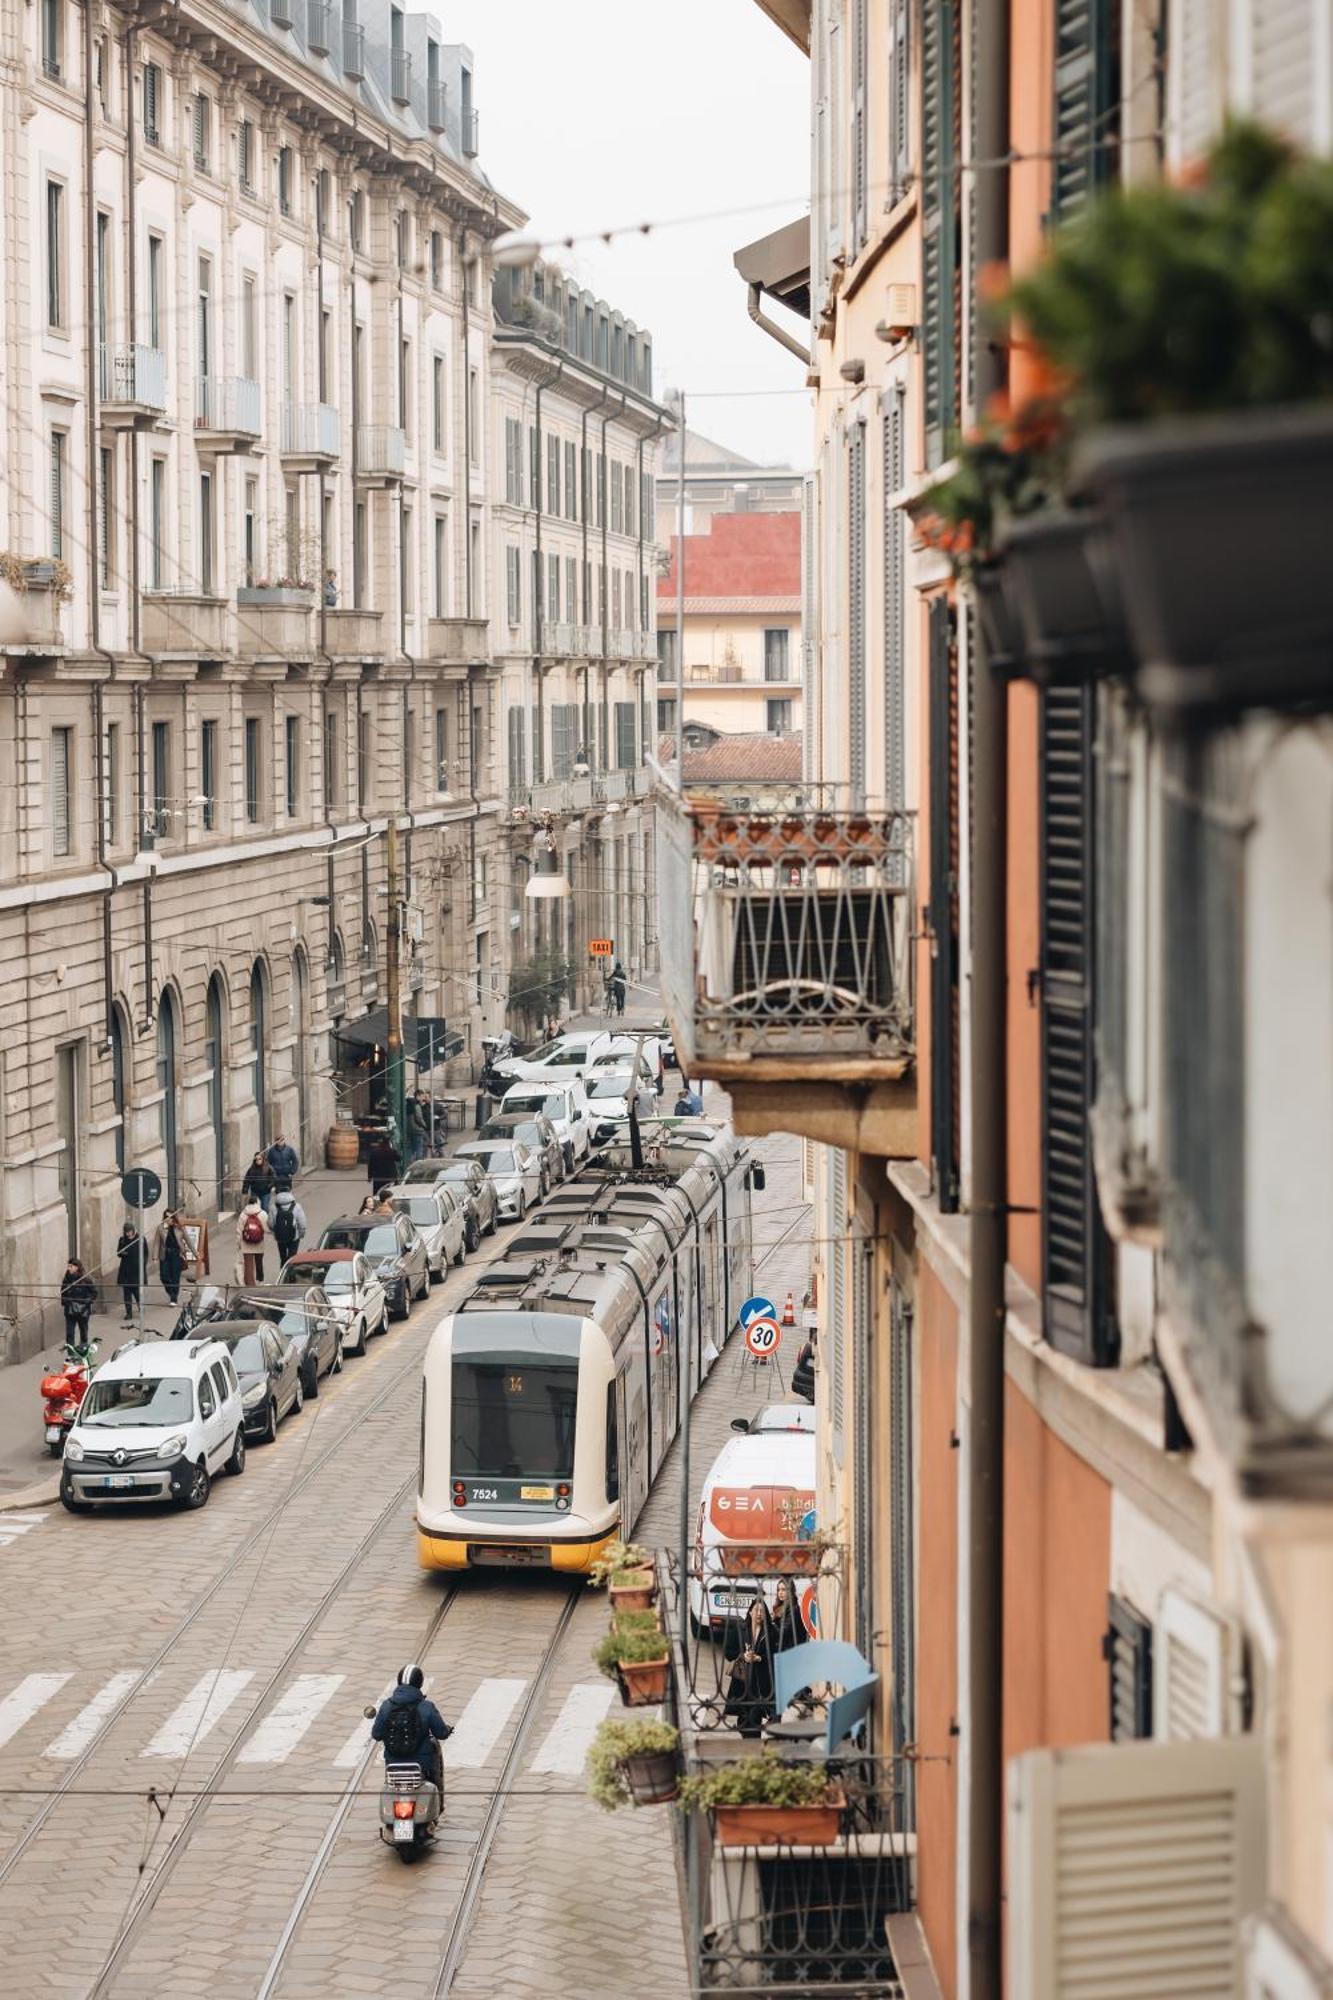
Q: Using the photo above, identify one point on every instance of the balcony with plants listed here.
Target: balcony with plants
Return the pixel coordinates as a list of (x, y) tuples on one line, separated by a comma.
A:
[(786, 948)]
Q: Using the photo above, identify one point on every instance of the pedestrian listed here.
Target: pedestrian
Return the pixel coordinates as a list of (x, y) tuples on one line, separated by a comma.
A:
[(172, 1252), (331, 588), (689, 1104), (252, 1230), (259, 1183), (78, 1296), (130, 1269), (289, 1223), (383, 1163), (416, 1129), (283, 1160), (617, 984)]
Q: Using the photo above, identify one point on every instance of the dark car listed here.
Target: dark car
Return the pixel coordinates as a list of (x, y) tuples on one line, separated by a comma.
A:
[(395, 1251), (803, 1374), (268, 1371), (470, 1185), (538, 1134), (305, 1315)]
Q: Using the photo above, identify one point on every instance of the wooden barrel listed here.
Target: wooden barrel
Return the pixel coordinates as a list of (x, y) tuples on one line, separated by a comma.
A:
[(342, 1146)]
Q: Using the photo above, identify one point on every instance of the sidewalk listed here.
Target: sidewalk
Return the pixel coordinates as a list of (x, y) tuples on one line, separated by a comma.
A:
[(29, 1476)]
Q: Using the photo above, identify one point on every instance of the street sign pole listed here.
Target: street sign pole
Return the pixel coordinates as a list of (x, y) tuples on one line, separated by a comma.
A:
[(143, 1259), (141, 1188), (430, 1045)]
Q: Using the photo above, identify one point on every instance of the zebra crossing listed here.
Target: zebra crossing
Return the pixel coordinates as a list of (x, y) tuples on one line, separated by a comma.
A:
[(307, 1721), (14, 1526)]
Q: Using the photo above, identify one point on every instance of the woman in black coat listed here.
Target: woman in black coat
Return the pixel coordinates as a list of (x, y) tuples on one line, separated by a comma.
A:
[(171, 1251), (750, 1691), (259, 1183), (78, 1296), (130, 1269)]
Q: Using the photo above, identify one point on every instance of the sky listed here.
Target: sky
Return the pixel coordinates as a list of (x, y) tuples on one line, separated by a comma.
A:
[(597, 113)]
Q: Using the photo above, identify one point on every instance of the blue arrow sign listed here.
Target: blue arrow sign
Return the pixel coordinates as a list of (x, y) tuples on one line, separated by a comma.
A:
[(756, 1308)]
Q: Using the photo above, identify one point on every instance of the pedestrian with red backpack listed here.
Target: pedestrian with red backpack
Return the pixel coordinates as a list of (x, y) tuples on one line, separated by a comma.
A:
[(252, 1232)]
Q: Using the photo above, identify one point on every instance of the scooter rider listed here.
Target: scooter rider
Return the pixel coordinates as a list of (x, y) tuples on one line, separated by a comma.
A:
[(411, 1728)]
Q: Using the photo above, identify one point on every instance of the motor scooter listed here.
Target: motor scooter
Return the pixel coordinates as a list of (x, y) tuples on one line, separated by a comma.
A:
[(410, 1806), (63, 1394)]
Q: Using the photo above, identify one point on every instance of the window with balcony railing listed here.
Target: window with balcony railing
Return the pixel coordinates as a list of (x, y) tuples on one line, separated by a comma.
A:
[(400, 76)]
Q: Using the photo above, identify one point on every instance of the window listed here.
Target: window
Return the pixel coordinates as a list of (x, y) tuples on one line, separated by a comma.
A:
[(615, 600), (513, 583), (473, 423), (331, 760), (572, 481), (289, 346), (775, 654), (62, 776), (293, 749), (777, 718), (440, 566), (553, 587), (152, 100), (51, 10), (360, 551), (408, 578), (402, 237), (250, 327), (599, 493), (409, 753), (55, 254), (203, 131), (157, 499), (356, 219), (629, 499), (513, 461), (112, 783), (285, 179), (437, 402), (325, 335), (617, 500), (161, 778), (323, 207), (208, 771), (57, 496), (441, 749), (155, 291), (625, 736), (552, 475), (534, 466), (365, 771), (204, 321), (571, 588), (206, 533), (404, 377), (245, 155), (105, 501), (252, 769), (436, 256)]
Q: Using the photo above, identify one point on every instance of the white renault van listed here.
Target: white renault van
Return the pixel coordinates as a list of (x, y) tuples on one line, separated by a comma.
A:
[(157, 1422)]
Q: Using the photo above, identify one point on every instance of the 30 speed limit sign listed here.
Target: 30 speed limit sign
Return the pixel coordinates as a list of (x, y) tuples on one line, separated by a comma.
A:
[(762, 1337)]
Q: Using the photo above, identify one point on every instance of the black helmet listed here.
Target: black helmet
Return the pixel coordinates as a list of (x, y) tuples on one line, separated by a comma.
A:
[(411, 1677)]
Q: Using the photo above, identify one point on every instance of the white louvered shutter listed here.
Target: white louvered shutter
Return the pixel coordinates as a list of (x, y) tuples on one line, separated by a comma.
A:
[(835, 1335), (1284, 65), (1195, 77), (1197, 1685), (1131, 1867), (1280, 1964)]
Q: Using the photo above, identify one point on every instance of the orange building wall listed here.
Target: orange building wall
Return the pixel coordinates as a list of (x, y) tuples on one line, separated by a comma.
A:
[(1057, 1569), (937, 1625)]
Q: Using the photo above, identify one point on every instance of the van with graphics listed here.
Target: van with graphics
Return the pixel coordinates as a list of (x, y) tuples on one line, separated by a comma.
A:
[(756, 1512)]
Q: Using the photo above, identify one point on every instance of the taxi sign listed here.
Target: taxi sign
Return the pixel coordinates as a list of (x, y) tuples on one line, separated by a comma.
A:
[(762, 1336), (757, 1308), (601, 947)]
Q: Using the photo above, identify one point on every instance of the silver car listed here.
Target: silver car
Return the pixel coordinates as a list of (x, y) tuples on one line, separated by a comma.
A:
[(512, 1170), (440, 1222)]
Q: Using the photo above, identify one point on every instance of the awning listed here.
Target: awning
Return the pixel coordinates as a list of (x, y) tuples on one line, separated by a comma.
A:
[(780, 265), (372, 1032)]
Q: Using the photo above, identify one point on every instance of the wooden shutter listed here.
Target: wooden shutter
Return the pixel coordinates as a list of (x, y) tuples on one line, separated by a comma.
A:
[(863, 1483), (57, 494), (1127, 1650), (943, 907), (1079, 1319), (895, 584), (1131, 1867), (1087, 91), (835, 1332), (900, 95), (1198, 1682), (940, 54), (856, 609), (902, 1529), (860, 144)]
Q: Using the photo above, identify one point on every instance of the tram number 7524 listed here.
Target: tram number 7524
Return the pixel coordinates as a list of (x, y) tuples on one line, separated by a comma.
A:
[(484, 1493)]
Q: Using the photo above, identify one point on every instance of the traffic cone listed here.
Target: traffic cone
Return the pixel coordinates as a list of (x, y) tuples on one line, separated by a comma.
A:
[(789, 1311)]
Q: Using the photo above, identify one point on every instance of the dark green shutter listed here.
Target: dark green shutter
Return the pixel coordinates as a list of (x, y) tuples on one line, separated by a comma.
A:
[(1127, 1649), (943, 909), (939, 223), (895, 593), (1087, 86), (900, 95)]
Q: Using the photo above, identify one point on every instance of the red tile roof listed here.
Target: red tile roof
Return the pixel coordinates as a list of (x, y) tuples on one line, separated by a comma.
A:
[(743, 555), (747, 756)]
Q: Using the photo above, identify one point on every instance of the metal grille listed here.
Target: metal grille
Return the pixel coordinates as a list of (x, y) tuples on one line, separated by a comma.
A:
[(1128, 1651)]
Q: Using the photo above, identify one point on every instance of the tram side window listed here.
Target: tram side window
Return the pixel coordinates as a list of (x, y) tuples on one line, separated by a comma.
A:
[(612, 1445)]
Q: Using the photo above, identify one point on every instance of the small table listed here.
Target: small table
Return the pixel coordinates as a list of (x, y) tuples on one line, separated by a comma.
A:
[(800, 1736), (455, 1113)]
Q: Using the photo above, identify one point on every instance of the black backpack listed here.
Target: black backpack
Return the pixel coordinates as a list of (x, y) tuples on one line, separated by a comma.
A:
[(285, 1233), (402, 1733)]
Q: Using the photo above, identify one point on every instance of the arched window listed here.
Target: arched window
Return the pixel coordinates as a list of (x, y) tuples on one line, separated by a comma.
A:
[(301, 1029), (166, 1083), (216, 1056), (259, 1044)]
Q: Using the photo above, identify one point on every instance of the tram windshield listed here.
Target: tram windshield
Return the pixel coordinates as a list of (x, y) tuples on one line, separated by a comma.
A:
[(513, 1417)]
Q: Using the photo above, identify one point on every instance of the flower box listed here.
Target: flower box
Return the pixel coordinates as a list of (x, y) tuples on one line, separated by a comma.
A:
[(636, 1593), (1071, 626), (643, 1681), (1219, 529), (653, 1777), (780, 1826), (768, 1558), (295, 597)]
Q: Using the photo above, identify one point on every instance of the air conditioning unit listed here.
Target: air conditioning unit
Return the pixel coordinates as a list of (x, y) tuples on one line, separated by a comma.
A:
[(900, 320)]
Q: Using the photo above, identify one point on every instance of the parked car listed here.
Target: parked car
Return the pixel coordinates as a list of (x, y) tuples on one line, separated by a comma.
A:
[(538, 1134), (157, 1421), (394, 1249), (568, 1055), (564, 1103), (467, 1180), (303, 1314), (776, 1417), (353, 1288), (513, 1171), (439, 1220), (269, 1370), (609, 1092), (648, 1041), (758, 1489)]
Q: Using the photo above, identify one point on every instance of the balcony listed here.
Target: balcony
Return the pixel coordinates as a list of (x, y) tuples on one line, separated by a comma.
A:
[(183, 625), (458, 642), (354, 51), (560, 640), (354, 634), (471, 132), (310, 439), (610, 788), (274, 624), (381, 453), (226, 412), (786, 956), (437, 101), (400, 76), (132, 386), (281, 14), (319, 27)]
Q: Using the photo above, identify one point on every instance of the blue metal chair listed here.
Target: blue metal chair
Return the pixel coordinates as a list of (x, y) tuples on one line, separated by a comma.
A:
[(840, 1664)]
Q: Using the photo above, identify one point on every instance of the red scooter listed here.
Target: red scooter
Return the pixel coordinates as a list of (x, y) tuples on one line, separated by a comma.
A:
[(64, 1394)]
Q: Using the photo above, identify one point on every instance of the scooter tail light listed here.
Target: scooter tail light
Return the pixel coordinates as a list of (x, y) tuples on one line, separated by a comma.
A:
[(404, 1808)]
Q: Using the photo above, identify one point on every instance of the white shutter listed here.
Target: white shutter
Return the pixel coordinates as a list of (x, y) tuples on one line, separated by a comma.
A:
[(1197, 1676), (1195, 77), (834, 1336), (1131, 1867), (1282, 1965), (1284, 65)]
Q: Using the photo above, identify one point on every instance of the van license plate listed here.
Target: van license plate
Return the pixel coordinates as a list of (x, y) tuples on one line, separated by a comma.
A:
[(536, 1492), (732, 1600), (119, 1479)]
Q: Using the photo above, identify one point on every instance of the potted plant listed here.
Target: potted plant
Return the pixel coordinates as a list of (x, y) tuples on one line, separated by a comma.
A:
[(633, 1763), (1195, 323), (634, 1653), (626, 1569), (760, 1801)]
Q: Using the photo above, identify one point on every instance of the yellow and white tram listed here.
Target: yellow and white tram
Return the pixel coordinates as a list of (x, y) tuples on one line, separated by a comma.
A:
[(550, 1397)]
